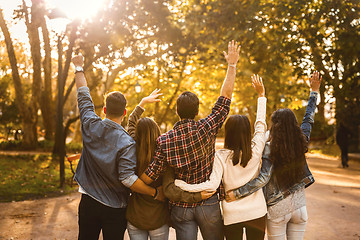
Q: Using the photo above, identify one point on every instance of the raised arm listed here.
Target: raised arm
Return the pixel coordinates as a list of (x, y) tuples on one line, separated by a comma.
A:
[(232, 58), (85, 103), (308, 120), (78, 62), (139, 109), (258, 141), (210, 185)]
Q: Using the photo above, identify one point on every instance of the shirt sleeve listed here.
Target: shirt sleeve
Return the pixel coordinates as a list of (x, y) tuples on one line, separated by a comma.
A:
[(86, 107), (308, 120), (175, 193), (158, 165), (133, 119), (210, 185), (258, 141), (127, 165), (214, 121)]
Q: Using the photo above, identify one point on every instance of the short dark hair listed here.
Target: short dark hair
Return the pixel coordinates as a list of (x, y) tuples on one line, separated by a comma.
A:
[(115, 104), (187, 105), (238, 138)]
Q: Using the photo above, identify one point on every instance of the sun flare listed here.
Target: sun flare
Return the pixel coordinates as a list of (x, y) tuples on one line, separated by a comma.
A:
[(77, 9)]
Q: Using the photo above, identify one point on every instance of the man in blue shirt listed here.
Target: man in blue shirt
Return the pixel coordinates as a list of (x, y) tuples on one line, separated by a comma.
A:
[(106, 169)]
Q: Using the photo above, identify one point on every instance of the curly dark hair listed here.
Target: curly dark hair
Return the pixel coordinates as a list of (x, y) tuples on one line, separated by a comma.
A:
[(288, 146)]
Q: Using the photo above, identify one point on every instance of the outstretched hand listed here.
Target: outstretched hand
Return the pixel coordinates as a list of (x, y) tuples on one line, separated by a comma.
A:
[(232, 56), (206, 194), (258, 85), (78, 60), (153, 97), (315, 81), (230, 197)]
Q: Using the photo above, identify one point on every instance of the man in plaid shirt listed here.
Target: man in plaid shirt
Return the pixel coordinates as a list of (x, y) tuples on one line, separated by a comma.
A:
[(189, 148)]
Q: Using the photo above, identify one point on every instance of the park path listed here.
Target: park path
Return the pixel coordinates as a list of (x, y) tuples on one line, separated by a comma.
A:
[(333, 204)]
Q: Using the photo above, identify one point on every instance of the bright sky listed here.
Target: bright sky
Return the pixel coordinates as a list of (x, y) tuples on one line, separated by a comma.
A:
[(74, 9)]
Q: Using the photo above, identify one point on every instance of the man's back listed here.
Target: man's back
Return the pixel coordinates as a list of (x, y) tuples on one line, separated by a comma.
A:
[(108, 156), (189, 147)]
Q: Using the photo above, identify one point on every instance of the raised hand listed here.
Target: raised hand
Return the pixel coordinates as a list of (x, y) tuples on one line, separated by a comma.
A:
[(78, 60), (153, 97), (232, 56), (315, 81), (258, 85)]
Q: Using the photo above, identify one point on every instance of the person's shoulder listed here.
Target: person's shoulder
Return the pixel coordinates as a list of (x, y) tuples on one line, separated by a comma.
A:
[(223, 153), (124, 139)]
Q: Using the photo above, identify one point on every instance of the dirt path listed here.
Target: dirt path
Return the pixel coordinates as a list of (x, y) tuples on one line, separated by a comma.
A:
[(333, 204)]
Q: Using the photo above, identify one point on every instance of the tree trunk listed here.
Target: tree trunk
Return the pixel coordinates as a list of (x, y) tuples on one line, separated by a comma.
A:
[(47, 101), (30, 133), (27, 112), (168, 107)]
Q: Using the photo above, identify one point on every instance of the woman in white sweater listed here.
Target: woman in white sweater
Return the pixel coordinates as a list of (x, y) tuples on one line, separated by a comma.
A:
[(236, 164)]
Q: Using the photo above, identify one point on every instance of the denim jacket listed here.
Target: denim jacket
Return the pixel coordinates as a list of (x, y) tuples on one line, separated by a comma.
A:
[(273, 194), (107, 164)]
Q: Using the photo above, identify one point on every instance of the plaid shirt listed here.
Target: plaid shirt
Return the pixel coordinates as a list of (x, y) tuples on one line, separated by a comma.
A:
[(190, 148)]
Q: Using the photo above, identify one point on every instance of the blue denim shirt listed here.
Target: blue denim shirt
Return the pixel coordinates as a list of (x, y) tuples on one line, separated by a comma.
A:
[(108, 160), (272, 192)]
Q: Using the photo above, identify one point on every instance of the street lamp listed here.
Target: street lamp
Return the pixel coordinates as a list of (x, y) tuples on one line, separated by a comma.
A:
[(282, 98), (137, 87)]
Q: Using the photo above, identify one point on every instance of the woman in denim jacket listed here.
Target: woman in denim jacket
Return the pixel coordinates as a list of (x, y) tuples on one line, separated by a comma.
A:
[(284, 172)]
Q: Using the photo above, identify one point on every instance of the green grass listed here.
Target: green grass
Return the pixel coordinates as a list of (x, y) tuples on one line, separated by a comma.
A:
[(29, 177), (326, 149)]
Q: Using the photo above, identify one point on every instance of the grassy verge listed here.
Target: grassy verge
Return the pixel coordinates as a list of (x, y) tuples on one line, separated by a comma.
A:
[(326, 149), (31, 176)]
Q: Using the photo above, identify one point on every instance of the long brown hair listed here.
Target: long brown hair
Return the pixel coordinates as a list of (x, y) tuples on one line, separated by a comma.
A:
[(238, 138), (288, 146), (146, 133)]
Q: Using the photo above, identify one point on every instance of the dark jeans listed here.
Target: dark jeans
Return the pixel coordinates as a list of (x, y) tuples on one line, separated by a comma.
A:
[(344, 156), (207, 217), (255, 229), (94, 216)]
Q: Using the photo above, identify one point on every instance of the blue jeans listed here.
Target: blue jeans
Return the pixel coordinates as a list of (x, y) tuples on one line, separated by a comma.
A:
[(207, 217), (162, 233)]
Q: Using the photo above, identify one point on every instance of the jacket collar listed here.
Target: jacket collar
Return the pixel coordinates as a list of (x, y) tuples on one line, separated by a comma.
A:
[(113, 124)]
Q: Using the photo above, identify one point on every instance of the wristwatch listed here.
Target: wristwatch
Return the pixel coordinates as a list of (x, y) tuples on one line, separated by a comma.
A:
[(79, 69)]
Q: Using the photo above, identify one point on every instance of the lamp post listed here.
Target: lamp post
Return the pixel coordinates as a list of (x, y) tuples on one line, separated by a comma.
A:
[(137, 87), (137, 90), (282, 98)]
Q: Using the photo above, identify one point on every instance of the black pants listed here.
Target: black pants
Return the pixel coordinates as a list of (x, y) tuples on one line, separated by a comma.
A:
[(255, 229), (94, 216), (344, 155)]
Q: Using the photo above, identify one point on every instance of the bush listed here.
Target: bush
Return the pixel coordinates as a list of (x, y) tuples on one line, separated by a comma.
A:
[(11, 145), (74, 147), (46, 145)]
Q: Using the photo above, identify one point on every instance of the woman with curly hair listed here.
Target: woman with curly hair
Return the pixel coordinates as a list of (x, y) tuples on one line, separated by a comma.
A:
[(284, 172)]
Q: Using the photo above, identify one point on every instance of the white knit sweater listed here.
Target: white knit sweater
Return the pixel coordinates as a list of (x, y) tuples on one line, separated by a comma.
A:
[(252, 206)]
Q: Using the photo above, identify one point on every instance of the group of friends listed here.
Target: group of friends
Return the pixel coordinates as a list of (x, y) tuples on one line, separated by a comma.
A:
[(144, 181)]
